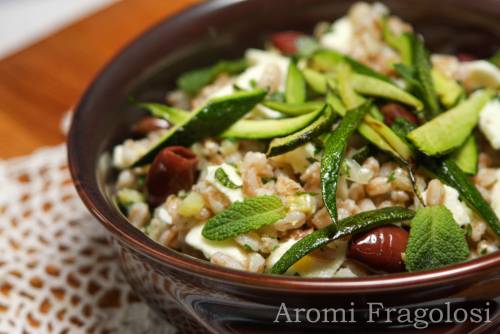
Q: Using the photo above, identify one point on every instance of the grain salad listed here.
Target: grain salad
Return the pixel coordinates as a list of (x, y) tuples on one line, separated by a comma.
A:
[(349, 152)]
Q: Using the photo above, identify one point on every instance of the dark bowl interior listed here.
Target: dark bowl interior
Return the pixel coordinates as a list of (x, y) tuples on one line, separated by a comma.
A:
[(148, 67)]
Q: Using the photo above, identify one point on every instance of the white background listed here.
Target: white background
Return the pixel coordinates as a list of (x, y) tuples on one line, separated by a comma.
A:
[(23, 22)]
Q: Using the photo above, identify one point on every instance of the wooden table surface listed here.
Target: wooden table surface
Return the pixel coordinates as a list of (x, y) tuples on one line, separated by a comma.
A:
[(38, 84)]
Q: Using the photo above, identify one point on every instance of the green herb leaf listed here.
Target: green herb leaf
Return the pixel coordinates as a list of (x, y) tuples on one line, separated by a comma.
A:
[(448, 172), (349, 226), (423, 69), (435, 240), (223, 178), (331, 161), (173, 115), (193, 81), (243, 217), (295, 91)]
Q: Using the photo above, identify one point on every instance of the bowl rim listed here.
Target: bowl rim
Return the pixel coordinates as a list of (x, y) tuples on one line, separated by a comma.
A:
[(193, 266)]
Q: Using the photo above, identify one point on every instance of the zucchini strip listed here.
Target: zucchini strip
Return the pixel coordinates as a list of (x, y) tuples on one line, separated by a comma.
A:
[(295, 90), (321, 125), (467, 156), (366, 85), (209, 120), (293, 109), (349, 226), (333, 156), (315, 80), (450, 129), (373, 130), (269, 128), (328, 61)]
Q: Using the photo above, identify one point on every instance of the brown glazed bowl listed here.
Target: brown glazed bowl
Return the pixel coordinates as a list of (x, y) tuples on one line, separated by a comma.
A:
[(199, 297)]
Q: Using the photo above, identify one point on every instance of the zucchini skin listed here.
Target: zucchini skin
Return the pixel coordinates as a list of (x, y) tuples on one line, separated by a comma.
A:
[(295, 91), (293, 109), (333, 156), (210, 120), (269, 128), (321, 125), (349, 226)]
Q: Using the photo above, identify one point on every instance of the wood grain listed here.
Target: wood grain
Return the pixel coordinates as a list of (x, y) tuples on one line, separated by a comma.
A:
[(38, 84)]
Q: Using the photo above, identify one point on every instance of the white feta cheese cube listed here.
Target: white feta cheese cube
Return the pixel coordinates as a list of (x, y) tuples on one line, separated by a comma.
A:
[(489, 123), (208, 247), (340, 36), (461, 212)]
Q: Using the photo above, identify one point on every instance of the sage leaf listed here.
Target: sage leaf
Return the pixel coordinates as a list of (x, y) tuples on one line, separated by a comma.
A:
[(435, 240), (347, 227), (423, 69), (242, 217), (331, 161), (223, 178)]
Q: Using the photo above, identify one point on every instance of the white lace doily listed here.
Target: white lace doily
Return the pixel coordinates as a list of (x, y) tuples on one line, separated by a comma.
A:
[(57, 272)]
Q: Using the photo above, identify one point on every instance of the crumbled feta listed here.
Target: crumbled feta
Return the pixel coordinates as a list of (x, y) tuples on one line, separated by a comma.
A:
[(489, 123), (208, 247), (259, 60), (479, 73), (278, 252), (162, 215), (310, 265), (233, 195), (340, 36), (461, 212), (298, 159)]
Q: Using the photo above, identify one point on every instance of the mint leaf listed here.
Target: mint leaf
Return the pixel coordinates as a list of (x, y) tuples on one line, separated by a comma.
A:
[(435, 240), (223, 178), (243, 217)]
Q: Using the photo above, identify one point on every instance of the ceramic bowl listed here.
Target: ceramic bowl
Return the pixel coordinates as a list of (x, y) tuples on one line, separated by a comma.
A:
[(199, 297)]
